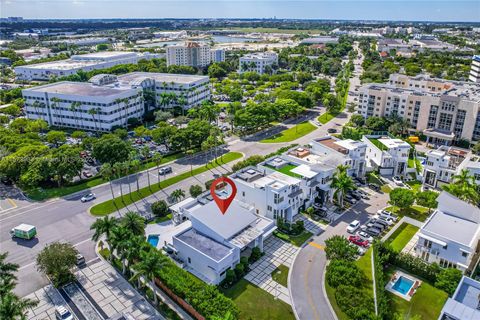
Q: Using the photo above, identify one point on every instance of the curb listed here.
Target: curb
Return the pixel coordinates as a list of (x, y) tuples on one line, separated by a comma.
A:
[(325, 292), (289, 280)]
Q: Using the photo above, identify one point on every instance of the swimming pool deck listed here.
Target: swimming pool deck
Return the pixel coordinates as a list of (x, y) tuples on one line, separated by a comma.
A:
[(165, 231), (396, 275)]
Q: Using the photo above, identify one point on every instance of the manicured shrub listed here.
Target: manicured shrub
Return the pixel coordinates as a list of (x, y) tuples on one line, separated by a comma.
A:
[(239, 270), (448, 279), (159, 208), (255, 255), (354, 303), (341, 272)]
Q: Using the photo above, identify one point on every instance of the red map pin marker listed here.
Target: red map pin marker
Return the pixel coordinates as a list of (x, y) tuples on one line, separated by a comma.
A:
[(223, 204)]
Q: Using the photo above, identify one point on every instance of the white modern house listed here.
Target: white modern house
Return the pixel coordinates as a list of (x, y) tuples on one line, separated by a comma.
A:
[(387, 155), (193, 54), (465, 302), (259, 62), (84, 62), (272, 194), (213, 242), (451, 234), (107, 101), (442, 164)]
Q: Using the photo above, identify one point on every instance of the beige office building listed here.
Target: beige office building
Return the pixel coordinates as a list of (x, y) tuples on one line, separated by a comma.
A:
[(442, 110)]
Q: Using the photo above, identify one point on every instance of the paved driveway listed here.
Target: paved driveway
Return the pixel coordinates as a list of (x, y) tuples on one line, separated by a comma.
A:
[(48, 298)]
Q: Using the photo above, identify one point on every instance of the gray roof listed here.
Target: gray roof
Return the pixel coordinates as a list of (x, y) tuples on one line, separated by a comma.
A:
[(465, 301), (235, 219), (79, 89), (204, 244), (450, 204), (161, 77)]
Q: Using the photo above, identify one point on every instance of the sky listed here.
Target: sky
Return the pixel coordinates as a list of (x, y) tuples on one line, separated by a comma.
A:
[(412, 10)]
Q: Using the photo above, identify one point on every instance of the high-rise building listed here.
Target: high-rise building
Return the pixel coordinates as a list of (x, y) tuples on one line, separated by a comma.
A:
[(475, 70), (193, 54), (443, 110)]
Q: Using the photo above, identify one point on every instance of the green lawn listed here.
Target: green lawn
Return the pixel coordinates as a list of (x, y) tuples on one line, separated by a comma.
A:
[(378, 144), (255, 303), (280, 275), (386, 188), (291, 134), (327, 116), (399, 239), (295, 240), (416, 212), (372, 178), (40, 194), (415, 185), (427, 303), (110, 206), (331, 297), (287, 170), (161, 219)]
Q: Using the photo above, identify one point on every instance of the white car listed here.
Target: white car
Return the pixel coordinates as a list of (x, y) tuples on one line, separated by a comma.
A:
[(388, 220), (88, 197), (387, 214), (353, 226), (365, 236), (397, 181), (164, 170), (62, 313)]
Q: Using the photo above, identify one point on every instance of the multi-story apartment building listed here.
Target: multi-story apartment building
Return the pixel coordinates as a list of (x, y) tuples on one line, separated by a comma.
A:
[(260, 62), (85, 62), (387, 155), (464, 303), (208, 242), (193, 54), (108, 101), (475, 69), (272, 194), (451, 234), (442, 110), (445, 162)]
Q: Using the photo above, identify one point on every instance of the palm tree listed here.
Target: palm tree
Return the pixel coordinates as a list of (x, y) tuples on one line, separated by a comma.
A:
[(56, 103), (107, 173), (93, 112), (125, 104), (103, 227), (157, 158), (146, 153), (13, 307), (177, 195), (7, 275), (74, 108), (119, 244), (190, 155), (464, 187), (133, 223), (342, 183), (136, 245), (118, 171), (135, 164), (149, 267)]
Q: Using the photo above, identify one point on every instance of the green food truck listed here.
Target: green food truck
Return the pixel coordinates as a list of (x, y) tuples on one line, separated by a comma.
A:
[(24, 231)]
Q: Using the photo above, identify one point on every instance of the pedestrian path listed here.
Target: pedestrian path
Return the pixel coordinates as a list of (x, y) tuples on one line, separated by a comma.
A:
[(48, 298)]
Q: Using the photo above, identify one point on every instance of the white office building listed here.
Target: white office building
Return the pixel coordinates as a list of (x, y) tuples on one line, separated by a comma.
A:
[(211, 242), (194, 54), (85, 62), (475, 69), (442, 164), (465, 302), (260, 62), (450, 235), (387, 155), (108, 101)]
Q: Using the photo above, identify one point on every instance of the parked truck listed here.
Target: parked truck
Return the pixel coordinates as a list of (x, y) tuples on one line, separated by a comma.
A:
[(24, 231)]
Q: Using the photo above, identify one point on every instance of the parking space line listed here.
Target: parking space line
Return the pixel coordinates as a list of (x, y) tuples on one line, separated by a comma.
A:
[(12, 202), (316, 245)]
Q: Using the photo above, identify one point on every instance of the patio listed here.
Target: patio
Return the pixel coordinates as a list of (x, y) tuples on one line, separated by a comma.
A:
[(403, 285)]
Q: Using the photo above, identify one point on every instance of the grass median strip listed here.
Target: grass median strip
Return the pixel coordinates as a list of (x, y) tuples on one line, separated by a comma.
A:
[(40, 194), (291, 134), (110, 206)]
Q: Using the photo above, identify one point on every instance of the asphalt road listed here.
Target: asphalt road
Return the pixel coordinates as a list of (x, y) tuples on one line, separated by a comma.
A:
[(67, 219)]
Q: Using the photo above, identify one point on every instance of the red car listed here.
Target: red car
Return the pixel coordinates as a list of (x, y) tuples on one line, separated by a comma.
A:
[(359, 241)]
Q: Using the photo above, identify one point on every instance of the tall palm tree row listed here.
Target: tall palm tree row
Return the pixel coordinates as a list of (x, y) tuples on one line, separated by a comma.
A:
[(107, 172)]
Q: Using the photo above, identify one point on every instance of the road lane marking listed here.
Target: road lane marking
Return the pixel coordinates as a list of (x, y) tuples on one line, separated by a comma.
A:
[(307, 288), (316, 245)]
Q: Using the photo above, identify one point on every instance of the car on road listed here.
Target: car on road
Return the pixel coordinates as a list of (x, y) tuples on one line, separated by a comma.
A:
[(80, 260), (164, 170), (397, 180), (23, 231), (365, 236), (353, 226), (332, 130), (88, 197), (62, 313), (357, 240)]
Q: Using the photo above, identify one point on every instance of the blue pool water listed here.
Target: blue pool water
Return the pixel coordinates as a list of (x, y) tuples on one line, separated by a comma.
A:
[(403, 285), (153, 240)]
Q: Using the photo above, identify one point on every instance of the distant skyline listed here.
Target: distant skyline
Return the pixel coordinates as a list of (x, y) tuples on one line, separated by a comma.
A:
[(409, 10)]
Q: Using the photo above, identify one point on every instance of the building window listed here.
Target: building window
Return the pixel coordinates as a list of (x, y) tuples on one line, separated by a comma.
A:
[(464, 254), (189, 260)]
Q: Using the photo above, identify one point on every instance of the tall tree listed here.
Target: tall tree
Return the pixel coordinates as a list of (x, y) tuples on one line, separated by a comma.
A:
[(107, 173), (103, 228), (149, 267), (134, 223), (342, 183)]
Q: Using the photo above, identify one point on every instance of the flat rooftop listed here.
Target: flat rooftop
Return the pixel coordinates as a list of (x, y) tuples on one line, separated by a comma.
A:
[(204, 244), (105, 55), (63, 64), (465, 302), (78, 89), (161, 77)]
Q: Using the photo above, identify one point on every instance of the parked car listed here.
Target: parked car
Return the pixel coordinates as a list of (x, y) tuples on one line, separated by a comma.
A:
[(388, 220), (353, 226), (355, 195), (387, 214), (164, 170), (379, 226), (80, 260), (88, 197), (361, 251), (374, 232), (350, 200), (87, 174), (397, 180), (358, 241), (62, 313), (365, 236), (332, 130), (373, 186)]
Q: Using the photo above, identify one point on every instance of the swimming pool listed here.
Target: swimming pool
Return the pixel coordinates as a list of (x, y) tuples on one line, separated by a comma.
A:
[(403, 285), (153, 240)]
